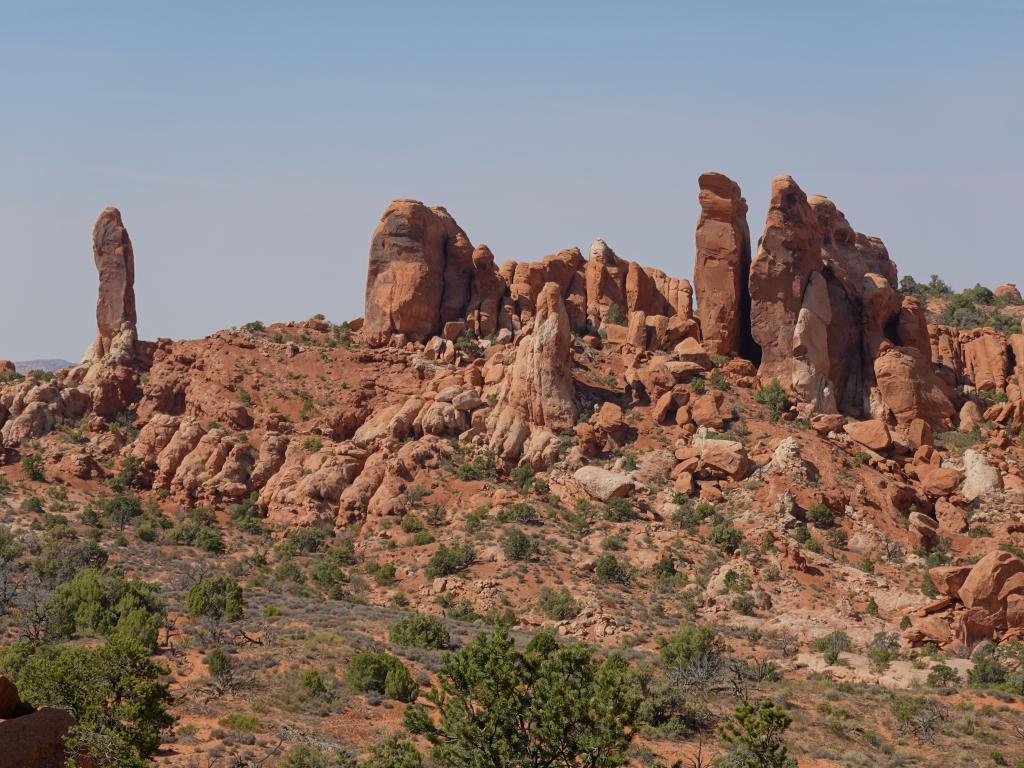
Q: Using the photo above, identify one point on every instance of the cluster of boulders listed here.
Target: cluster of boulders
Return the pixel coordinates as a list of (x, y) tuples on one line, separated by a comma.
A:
[(984, 601)]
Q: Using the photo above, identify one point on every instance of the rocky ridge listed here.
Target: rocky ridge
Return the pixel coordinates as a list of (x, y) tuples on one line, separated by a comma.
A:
[(459, 358)]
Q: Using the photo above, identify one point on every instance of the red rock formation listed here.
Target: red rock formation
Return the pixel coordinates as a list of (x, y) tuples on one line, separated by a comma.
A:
[(788, 253), (420, 272), (115, 262), (537, 394), (722, 266), (1009, 293)]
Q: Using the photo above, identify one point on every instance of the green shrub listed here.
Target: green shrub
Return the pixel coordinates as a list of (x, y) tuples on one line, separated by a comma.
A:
[(376, 671), (614, 316), (943, 676), (551, 705), (773, 397), (619, 510), (121, 509), (883, 649), (245, 516), (114, 692), (217, 598), (483, 467), (517, 545), (522, 478), (195, 530), (309, 756), (744, 604), (420, 631), (300, 541), (34, 467), (393, 753), (450, 560), (609, 569), (518, 513), (105, 603), (988, 669), (725, 537), (755, 735), (820, 516), (832, 644), (411, 524), (557, 605)]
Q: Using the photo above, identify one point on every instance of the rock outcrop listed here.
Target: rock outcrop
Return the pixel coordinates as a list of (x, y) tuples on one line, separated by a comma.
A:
[(115, 262), (722, 266), (537, 394), (419, 274), (788, 253), (832, 327)]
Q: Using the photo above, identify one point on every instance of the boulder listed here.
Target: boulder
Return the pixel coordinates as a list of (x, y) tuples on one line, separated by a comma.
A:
[(35, 740), (873, 434), (949, 578), (602, 484), (1009, 292), (721, 459), (938, 481), (9, 701), (982, 587), (980, 477)]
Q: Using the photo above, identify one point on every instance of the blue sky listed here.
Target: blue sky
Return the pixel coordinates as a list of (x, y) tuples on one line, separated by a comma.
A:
[(252, 146)]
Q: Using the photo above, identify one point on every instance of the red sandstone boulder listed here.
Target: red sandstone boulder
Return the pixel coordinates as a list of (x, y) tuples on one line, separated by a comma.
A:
[(873, 434), (1009, 292), (35, 740), (982, 587), (9, 701)]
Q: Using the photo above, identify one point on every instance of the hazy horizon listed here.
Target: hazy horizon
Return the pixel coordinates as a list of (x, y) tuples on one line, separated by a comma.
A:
[(252, 147)]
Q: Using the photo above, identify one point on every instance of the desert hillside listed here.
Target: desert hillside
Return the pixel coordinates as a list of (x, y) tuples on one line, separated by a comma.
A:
[(566, 512)]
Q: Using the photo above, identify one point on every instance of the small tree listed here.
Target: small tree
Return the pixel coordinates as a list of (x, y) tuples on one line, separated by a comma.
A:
[(215, 600), (122, 508), (551, 705), (383, 673), (113, 692), (755, 736)]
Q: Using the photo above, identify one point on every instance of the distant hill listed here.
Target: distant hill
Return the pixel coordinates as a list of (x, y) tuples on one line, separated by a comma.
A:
[(41, 365)]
